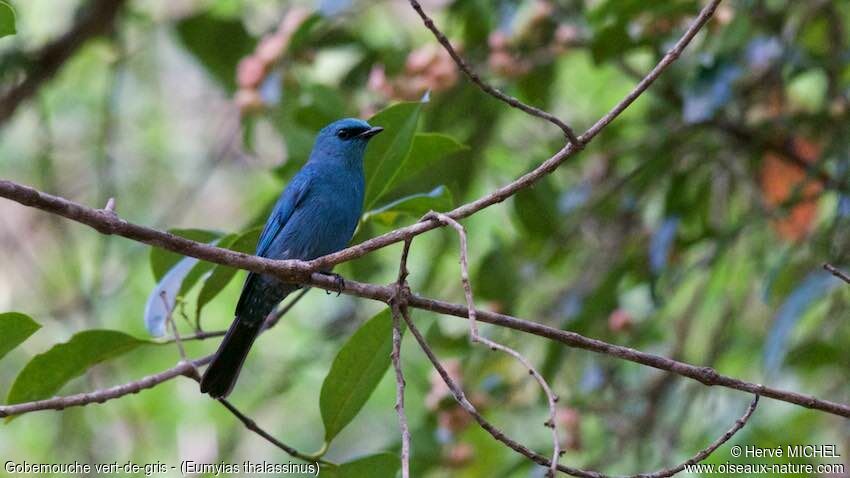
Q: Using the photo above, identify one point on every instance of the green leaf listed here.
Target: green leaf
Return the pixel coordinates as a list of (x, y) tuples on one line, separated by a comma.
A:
[(218, 44), (355, 372), (46, 373), (380, 465), (388, 152), (162, 260), (536, 209), (416, 205), (7, 19), (428, 148), (14, 329), (222, 275)]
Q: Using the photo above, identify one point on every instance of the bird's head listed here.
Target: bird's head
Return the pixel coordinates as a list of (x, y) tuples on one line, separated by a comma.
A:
[(344, 140)]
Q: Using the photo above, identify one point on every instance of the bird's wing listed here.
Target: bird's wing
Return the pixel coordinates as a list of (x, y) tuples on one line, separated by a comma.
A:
[(292, 196)]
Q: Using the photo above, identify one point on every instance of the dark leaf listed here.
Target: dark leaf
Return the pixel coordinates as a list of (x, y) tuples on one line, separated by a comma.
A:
[(355, 372), (218, 44)]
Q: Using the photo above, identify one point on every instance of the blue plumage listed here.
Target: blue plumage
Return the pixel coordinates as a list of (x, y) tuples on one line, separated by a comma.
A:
[(315, 215)]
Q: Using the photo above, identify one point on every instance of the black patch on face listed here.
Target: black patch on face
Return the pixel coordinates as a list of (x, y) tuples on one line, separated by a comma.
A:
[(348, 133)]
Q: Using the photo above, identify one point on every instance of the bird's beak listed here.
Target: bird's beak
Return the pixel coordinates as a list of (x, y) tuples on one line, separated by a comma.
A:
[(370, 132)]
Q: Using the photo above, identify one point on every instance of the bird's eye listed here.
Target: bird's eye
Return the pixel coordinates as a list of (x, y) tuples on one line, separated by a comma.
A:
[(344, 133)]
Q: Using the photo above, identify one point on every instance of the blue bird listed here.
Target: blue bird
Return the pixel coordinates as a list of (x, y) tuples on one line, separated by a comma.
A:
[(315, 215)]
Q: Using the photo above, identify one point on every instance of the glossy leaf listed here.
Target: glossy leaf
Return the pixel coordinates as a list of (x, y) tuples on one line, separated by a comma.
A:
[(355, 372), (15, 328), (222, 275), (48, 372), (416, 206), (388, 152), (7, 19), (217, 43), (429, 148), (162, 261)]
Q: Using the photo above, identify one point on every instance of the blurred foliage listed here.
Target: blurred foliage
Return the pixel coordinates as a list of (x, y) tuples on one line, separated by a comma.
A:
[(694, 226)]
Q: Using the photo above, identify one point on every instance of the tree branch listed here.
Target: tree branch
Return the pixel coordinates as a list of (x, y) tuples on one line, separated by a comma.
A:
[(100, 396), (706, 452), (837, 272), (399, 307), (532, 177), (95, 19), (474, 337), (284, 270), (498, 94)]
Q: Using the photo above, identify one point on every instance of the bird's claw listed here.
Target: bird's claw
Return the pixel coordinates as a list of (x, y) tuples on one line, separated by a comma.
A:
[(338, 280)]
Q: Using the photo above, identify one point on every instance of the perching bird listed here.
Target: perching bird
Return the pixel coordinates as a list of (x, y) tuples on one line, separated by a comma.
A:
[(315, 215)]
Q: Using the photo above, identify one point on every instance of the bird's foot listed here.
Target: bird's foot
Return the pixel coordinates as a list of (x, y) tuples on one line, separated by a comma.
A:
[(338, 279)]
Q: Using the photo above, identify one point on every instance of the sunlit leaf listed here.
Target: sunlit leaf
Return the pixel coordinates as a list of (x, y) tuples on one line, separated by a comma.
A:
[(48, 372), (15, 328), (7, 19), (355, 372)]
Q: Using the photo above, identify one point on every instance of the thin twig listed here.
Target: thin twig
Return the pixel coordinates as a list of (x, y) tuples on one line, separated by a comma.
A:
[(529, 179), (542, 460), (104, 395), (250, 424), (707, 451), (397, 305), (475, 337), (837, 272), (169, 319), (461, 399), (498, 94)]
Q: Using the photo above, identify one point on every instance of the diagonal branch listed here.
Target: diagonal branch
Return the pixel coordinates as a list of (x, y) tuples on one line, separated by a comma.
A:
[(498, 94), (837, 272), (707, 451)]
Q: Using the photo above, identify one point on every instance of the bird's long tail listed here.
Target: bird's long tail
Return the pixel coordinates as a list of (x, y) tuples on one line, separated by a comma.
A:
[(221, 375)]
